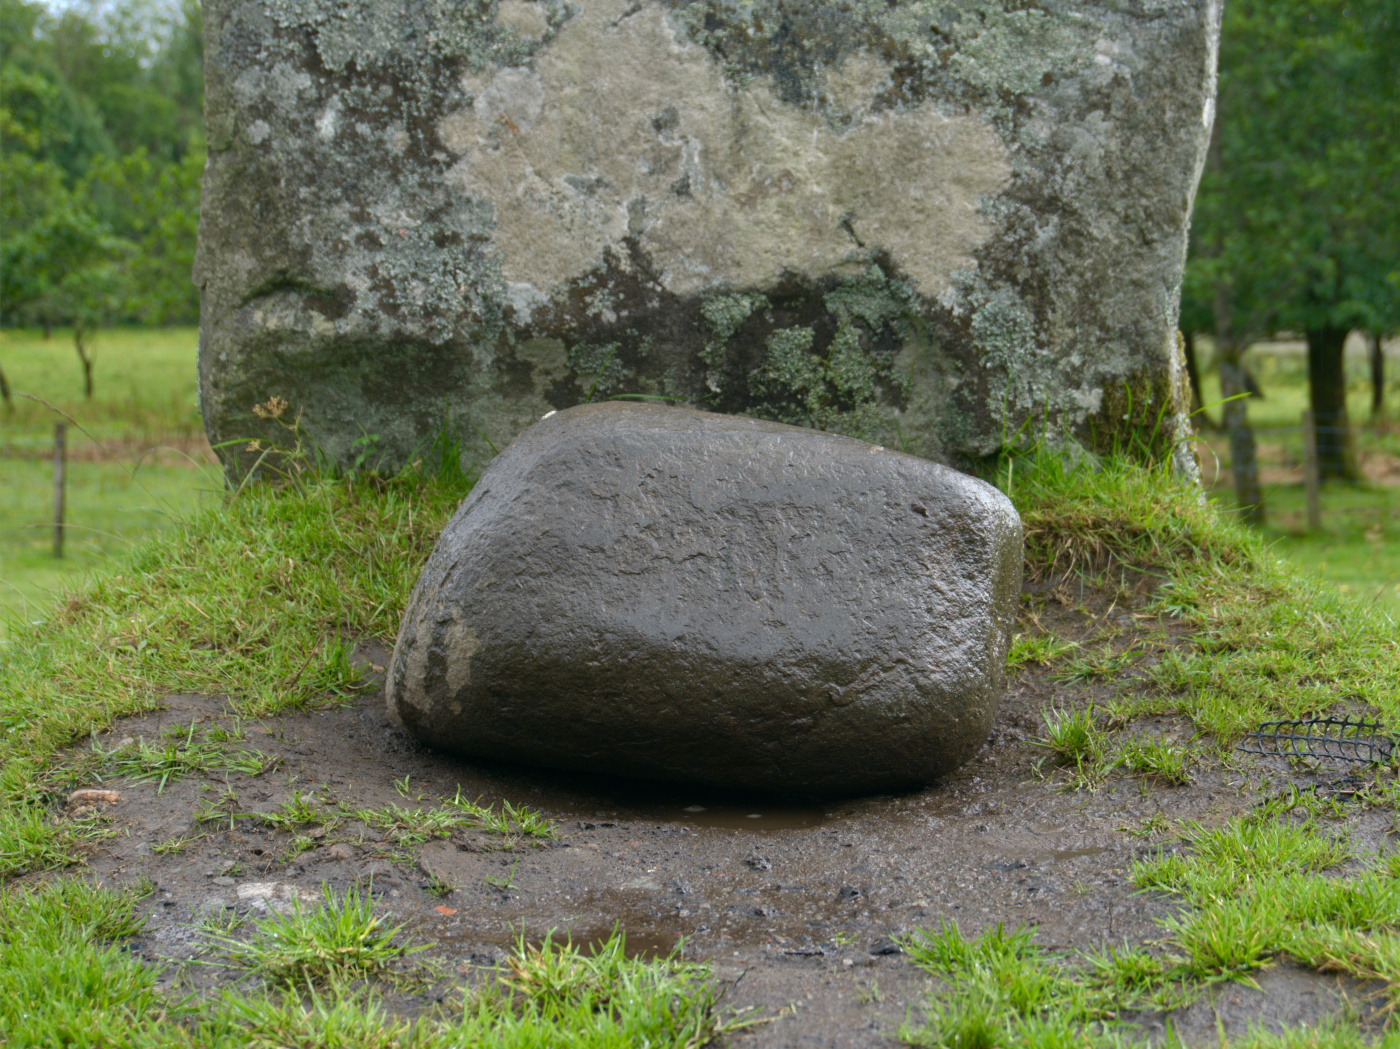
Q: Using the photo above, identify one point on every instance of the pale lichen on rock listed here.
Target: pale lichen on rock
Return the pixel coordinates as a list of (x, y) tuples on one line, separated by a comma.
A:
[(965, 213)]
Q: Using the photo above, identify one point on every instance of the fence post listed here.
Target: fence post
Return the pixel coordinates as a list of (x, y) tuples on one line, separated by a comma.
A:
[(1311, 481), (60, 465)]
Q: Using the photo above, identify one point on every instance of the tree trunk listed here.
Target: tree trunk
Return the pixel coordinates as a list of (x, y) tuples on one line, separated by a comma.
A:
[(1198, 412), (1244, 464), (80, 337), (5, 390), (1251, 384), (1327, 386), (1377, 376)]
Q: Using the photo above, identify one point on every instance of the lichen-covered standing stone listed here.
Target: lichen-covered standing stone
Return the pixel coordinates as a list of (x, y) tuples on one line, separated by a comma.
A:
[(920, 222), (672, 594)]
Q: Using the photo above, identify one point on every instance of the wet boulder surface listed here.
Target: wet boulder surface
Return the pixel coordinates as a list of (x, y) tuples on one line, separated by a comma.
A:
[(677, 595)]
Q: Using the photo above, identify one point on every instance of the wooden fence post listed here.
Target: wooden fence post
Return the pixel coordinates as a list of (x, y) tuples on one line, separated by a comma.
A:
[(1311, 478), (60, 469)]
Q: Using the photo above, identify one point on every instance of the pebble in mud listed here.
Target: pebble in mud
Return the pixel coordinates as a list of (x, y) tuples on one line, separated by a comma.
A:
[(677, 595)]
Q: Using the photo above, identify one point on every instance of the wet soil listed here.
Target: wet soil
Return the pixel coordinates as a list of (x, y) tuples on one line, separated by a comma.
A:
[(794, 903)]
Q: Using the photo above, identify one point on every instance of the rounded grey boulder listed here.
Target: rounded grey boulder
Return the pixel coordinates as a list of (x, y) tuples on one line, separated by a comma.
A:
[(679, 595)]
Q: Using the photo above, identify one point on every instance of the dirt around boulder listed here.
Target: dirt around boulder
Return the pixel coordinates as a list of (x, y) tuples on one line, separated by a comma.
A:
[(799, 907)]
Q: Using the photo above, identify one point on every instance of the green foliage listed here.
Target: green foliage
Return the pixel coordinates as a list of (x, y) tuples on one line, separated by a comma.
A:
[(1264, 641), (1006, 991), (63, 983), (101, 152), (1298, 212), (1157, 759), (250, 598), (1254, 893), (600, 996), (406, 827), (300, 810), (1072, 736), (60, 983), (28, 841), (1093, 666)]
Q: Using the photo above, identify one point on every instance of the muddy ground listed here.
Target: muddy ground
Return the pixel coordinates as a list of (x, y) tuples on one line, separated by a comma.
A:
[(795, 904)]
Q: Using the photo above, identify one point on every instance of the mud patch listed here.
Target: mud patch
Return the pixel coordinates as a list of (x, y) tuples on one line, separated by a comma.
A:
[(798, 905)]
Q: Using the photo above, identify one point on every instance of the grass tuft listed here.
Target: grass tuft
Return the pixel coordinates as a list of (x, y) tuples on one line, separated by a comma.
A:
[(336, 939), (1072, 736), (178, 755), (1038, 649)]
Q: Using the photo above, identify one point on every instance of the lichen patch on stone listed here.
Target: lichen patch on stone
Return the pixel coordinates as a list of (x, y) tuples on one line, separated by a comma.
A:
[(721, 185)]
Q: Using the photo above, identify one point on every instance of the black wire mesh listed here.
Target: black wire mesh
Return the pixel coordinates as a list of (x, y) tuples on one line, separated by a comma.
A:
[(1353, 741)]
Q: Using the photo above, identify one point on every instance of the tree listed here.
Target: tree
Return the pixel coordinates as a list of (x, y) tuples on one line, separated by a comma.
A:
[(101, 155), (1377, 355), (154, 205), (1298, 214), (65, 269)]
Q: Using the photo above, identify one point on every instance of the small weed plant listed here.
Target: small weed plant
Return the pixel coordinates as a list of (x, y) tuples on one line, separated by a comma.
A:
[(1156, 758), (1094, 666), (601, 996), (300, 810)]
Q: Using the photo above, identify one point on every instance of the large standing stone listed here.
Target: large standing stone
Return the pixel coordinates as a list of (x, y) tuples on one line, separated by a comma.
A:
[(922, 222), (681, 595)]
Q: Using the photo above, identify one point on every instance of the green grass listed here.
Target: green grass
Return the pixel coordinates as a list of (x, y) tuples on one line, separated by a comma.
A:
[(261, 598), (1264, 639), (144, 385), (178, 754), (1257, 889), (108, 510), (1072, 736), (144, 394), (1359, 545), (338, 938), (65, 981), (1037, 649), (408, 827)]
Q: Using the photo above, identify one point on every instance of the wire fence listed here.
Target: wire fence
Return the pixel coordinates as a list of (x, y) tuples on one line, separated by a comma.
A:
[(1292, 454)]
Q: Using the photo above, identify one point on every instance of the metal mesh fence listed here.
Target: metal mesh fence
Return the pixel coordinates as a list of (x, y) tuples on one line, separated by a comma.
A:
[(1348, 741)]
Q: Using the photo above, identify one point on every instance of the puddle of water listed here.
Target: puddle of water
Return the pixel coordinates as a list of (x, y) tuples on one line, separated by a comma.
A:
[(735, 817), (645, 934), (1073, 854), (644, 942)]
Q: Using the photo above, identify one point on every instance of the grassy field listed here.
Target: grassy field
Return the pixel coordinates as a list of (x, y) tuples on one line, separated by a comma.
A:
[(145, 396), (148, 466), (144, 386), (1358, 548), (107, 510)]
